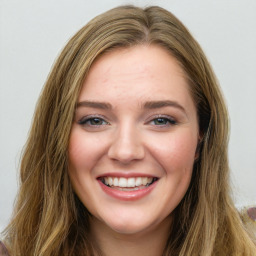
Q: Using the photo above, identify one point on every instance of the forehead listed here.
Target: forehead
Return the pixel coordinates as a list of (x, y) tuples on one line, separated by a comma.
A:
[(142, 71)]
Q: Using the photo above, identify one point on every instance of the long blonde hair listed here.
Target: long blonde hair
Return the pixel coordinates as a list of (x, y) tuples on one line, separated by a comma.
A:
[(50, 220)]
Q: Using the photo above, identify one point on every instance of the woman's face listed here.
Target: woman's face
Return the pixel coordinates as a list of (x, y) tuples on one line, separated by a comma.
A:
[(134, 138)]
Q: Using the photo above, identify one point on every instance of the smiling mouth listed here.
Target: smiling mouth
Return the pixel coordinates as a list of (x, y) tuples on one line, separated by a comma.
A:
[(128, 184)]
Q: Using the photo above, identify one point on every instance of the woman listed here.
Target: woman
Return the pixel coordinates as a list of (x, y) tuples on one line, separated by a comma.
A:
[(127, 154)]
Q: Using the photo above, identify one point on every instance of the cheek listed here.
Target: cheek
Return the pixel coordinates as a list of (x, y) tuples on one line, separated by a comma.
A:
[(82, 153), (176, 157), (176, 152), (83, 149)]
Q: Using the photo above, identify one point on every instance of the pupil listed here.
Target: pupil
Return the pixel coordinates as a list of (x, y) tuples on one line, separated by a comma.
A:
[(160, 120), (96, 121)]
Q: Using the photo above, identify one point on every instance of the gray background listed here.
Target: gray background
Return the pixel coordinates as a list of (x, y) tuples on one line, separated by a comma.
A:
[(32, 33)]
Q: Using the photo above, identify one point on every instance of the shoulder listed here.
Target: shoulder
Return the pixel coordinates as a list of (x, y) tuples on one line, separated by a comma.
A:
[(248, 215), (3, 250)]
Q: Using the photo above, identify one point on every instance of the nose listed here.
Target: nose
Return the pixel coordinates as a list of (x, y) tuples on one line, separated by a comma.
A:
[(126, 146)]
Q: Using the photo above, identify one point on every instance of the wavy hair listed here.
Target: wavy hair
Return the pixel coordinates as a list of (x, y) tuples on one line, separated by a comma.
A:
[(50, 220)]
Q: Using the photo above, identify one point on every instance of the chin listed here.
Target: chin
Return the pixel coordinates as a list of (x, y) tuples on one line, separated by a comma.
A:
[(129, 228), (131, 223)]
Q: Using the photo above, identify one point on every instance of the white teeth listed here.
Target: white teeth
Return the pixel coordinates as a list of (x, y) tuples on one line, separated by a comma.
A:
[(144, 181), (131, 182), (127, 183), (110, 181), (138, 181), (122, 182), (116, 182)]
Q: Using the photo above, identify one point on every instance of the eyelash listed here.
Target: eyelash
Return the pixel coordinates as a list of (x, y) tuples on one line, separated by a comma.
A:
[(87, 121), (169, 121)]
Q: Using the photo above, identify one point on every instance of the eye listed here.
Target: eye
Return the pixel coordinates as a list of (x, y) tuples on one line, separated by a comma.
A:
[(163, 121), (93, 121)]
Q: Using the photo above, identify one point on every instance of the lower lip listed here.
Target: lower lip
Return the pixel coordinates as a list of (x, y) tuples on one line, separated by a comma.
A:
[(127, 195)]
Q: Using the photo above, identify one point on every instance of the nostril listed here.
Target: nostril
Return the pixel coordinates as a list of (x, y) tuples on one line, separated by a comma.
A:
[(126, 151)]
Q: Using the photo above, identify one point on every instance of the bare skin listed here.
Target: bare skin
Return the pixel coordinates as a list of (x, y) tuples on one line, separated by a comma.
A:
[(115, 244), (132, 148)]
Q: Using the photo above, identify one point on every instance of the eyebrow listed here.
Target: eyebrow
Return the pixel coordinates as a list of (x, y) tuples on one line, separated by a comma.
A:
[(146, 105), (94, 104), (163, 103)]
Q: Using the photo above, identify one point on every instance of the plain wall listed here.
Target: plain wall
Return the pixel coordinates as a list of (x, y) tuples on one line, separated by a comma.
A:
[(32, 33)]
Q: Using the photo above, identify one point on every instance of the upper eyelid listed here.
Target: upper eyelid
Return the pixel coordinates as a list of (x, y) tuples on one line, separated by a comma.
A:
[(93, 116), (162, 116), (148, 119), (88, 117), (171, 121)]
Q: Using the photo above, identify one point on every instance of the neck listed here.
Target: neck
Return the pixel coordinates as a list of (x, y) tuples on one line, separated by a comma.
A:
[(111, 243)]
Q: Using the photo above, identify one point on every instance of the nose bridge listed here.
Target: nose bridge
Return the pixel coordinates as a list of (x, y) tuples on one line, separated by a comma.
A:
[(126, 144)]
